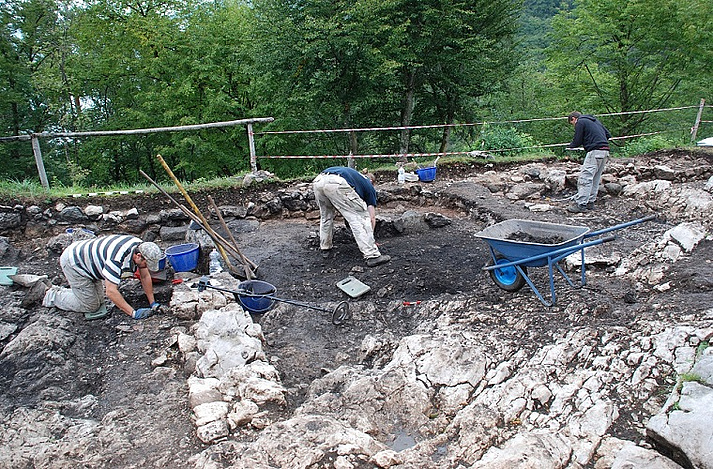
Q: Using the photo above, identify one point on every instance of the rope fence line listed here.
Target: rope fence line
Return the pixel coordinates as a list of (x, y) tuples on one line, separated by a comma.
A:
[(35, 137), (465, 124), (448, 153)]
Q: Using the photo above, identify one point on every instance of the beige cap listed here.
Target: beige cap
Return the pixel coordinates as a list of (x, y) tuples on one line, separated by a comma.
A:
[(152, 253)]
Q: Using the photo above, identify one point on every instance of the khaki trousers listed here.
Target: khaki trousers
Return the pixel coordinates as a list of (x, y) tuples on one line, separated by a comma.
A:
[(590, 176), (333, 194)]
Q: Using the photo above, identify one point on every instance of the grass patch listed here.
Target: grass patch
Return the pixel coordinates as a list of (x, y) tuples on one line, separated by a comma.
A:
[(688, 377), (33, 190), (26, 188), (701, 348)]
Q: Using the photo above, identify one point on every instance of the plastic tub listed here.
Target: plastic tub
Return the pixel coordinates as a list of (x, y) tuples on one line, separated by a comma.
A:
[(252, 301), (426, 174), (183, 257), (5, 273)]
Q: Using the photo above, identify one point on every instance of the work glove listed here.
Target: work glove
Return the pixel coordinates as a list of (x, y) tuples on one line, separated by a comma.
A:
[(158, 308), (142, 313)]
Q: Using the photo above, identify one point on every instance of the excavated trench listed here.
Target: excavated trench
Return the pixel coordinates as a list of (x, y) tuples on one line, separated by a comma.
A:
[(429, 232)]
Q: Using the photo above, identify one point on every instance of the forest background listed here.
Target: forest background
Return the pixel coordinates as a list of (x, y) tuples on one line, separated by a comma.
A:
[(72, 66)]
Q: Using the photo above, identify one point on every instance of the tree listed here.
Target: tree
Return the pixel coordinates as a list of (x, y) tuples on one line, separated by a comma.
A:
[(629, 55), (443, 54), (381, 62), (159, 64), (30, 58), (317, 67)]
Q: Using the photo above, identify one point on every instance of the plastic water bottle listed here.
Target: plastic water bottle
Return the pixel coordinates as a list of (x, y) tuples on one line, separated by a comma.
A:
[(214, 266), (402, 175)]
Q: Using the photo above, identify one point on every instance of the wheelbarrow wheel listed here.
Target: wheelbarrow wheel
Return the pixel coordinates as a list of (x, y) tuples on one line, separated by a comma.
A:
[(507, 278)]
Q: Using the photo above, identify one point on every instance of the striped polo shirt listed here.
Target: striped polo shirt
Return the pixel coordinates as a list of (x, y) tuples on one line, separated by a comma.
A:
[(104, 257)]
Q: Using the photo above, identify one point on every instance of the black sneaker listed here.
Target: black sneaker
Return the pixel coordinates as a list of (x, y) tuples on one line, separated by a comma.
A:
[(590, 205), (577, 208), (374, 261), (326, 253)]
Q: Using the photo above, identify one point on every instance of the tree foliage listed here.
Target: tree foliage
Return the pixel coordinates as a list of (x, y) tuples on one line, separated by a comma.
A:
[(326, 64), (32, 54), (340, 64), (629, 55)]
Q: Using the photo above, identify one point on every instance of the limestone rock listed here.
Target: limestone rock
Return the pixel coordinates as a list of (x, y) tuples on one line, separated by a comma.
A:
[(242, 413), (632, 456), (687, 430), (213, 431), (528, 450), (210, 412)]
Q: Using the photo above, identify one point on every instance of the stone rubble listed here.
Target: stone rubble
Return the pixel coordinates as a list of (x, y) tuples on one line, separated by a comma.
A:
[(231, 378)]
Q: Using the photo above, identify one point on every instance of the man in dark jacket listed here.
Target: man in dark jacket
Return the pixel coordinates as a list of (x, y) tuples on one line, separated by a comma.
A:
[(594, 137)]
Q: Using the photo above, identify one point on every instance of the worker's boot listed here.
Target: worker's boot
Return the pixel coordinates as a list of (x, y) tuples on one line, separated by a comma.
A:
[(374, 261), (577, 208)]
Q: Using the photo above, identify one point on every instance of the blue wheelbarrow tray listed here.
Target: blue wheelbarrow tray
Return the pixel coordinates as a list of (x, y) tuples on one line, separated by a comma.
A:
[(497, 236), (512, 256)]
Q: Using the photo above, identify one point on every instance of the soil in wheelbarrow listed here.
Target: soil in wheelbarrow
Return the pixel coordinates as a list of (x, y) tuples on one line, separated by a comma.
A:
[(523, 237)]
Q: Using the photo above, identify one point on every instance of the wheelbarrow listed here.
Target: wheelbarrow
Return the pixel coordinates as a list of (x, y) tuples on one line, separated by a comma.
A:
[(257, 297), (514, 247)]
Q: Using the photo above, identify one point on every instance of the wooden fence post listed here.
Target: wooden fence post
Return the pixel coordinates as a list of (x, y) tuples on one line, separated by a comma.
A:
[(694, 129), (38, 161), (251, 143)]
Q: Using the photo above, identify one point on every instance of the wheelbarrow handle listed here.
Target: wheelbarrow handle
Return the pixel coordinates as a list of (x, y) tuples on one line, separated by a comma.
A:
[(558, 253), (619, 227)]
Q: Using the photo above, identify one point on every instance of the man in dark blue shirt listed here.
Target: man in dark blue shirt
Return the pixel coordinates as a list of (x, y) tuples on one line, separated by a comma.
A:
[(345, 190), (594, 137)]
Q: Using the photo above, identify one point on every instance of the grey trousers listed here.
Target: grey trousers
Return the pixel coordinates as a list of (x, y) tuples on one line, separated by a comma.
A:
[(85, 295), (590, 176)]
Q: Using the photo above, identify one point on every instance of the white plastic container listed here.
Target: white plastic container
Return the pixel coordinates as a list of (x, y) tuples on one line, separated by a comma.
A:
[(215, 267)]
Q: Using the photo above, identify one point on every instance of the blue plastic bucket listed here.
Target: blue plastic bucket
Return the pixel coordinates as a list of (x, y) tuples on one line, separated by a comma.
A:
[(252, 301), (183, 257), (426, 174)]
